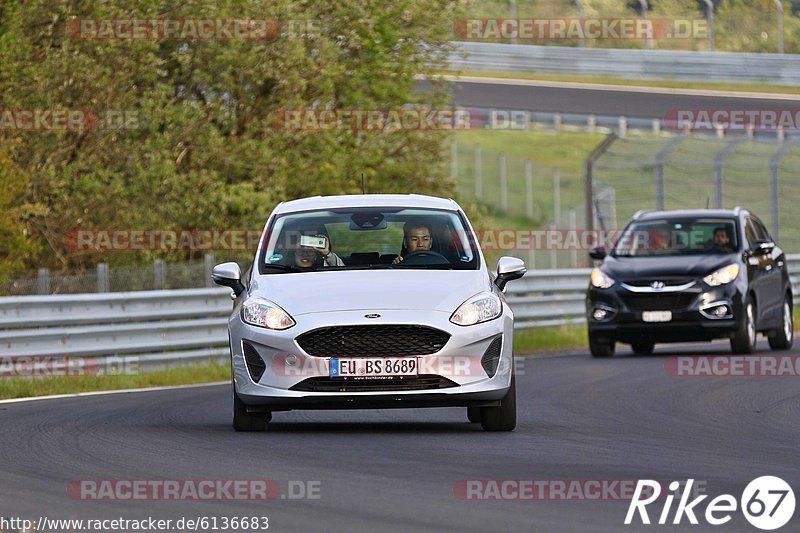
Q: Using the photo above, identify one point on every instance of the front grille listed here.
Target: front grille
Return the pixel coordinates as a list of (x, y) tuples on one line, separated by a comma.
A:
[(324, 384), (668, 281), (366, 341), (491, 357), (255, 365), (658, 302)]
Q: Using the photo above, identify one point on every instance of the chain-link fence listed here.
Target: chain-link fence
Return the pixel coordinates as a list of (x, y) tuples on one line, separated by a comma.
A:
[(689, 171)]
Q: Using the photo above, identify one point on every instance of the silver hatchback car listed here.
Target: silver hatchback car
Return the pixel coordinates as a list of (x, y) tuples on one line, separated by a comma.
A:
[(371, 301)]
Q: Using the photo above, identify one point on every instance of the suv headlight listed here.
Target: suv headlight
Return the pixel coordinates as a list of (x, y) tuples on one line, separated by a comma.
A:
[(600, 279), (723, 275), (265, 314), (480, 308)]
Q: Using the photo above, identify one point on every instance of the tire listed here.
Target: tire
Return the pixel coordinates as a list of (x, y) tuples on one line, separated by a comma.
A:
[(643, 348), (744, 340), (474, 414), (244, 421), (504, 417), (784, 337), (601, 348)]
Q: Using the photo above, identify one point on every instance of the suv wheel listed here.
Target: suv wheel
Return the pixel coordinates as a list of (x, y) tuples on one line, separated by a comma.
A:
[(504, 417), (744, 340), (244, 421), (783, 338), (600, 348), (474, 414)]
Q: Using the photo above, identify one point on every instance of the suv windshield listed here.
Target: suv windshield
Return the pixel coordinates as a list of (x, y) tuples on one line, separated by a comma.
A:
[(366, 238), (684, 236)]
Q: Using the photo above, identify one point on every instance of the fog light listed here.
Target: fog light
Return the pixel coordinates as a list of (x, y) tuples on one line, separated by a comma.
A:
[(720, 311), (599, 314)]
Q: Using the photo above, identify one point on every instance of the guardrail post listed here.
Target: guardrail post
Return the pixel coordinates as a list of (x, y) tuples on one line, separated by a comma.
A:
[(102, 278), (43, 279), (478, 173), (557, 121), (159, 274), (591, 123), (493, 119), (503, 184), (209, 266), (656, 126), (623, 127), (529, 189)]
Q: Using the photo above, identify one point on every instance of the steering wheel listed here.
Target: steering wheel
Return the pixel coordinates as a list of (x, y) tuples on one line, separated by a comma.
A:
[(425, 257)]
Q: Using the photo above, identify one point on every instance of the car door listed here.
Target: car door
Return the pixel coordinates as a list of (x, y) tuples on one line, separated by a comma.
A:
[(773, 285), (759, 268)]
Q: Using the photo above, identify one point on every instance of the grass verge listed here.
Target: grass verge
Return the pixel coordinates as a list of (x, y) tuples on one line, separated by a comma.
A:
[(45, 386)]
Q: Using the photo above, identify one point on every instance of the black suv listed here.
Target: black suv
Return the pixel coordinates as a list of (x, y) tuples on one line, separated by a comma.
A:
[(696, 275)]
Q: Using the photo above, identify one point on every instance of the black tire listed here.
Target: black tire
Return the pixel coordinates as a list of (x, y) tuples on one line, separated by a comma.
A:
[(244, 421), (504, 417), (643, 348), (744, 340), (474, 414), (784, 337), (601, 348)]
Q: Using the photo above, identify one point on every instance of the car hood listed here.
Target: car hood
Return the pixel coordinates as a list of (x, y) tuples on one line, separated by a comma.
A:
[(632, 268), (369, 290)]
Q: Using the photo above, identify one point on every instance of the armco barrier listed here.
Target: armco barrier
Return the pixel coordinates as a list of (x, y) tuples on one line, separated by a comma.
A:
[(624, 63), (157, 329)]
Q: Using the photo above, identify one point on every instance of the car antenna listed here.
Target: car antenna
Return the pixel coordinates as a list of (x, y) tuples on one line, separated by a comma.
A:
[(363, 184), (708, 201)]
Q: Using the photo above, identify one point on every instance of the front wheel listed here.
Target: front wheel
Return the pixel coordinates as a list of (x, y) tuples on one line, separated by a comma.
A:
[(504, 417), (783, 338), (474, 414), (744, 340), (244, 421), (600, 348)]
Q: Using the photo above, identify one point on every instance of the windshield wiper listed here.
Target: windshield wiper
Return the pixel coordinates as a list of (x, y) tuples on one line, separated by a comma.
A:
[(285, 268)]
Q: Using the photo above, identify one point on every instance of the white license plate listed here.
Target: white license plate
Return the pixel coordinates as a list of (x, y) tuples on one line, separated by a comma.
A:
[(656, 316), (373, 367)]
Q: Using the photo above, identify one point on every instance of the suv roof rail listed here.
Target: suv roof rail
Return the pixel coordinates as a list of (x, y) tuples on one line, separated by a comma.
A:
[(738, 209), (639, 213)]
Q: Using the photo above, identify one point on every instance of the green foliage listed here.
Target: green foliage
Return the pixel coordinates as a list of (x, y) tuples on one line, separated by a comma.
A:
[(204, 152)]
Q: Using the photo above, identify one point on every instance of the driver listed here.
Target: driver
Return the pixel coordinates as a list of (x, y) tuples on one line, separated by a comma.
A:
[(721, 242), (416, 238)]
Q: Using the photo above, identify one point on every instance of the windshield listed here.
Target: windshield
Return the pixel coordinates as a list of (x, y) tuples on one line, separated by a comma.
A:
[(368, 238), (685, 236)]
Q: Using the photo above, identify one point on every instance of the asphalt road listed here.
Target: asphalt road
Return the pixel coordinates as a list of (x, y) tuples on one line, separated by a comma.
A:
[(613, 102), (395, 470)]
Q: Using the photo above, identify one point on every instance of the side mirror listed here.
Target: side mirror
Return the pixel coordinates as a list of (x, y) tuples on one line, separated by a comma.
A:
[(508, 269), (763, 248), (598, 253), (228, 275)]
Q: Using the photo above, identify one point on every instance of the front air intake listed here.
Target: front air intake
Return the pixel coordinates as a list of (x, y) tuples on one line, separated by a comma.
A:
[(255, 365), (491, 358)]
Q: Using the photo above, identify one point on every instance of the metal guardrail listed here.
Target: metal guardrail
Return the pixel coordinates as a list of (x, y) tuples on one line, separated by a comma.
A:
[(632, 64), (158, 329)]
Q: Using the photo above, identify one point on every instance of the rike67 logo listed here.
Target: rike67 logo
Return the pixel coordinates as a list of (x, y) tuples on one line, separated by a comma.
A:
[(767, 503)]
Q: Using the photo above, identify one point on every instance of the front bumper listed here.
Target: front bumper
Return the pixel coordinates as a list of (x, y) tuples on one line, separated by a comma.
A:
[(691, 321), (289, 367)]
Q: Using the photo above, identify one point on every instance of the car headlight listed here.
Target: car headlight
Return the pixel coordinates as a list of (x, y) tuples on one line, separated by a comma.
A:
[(600, 279), (265, 314), (481, 308), (723, 275)]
